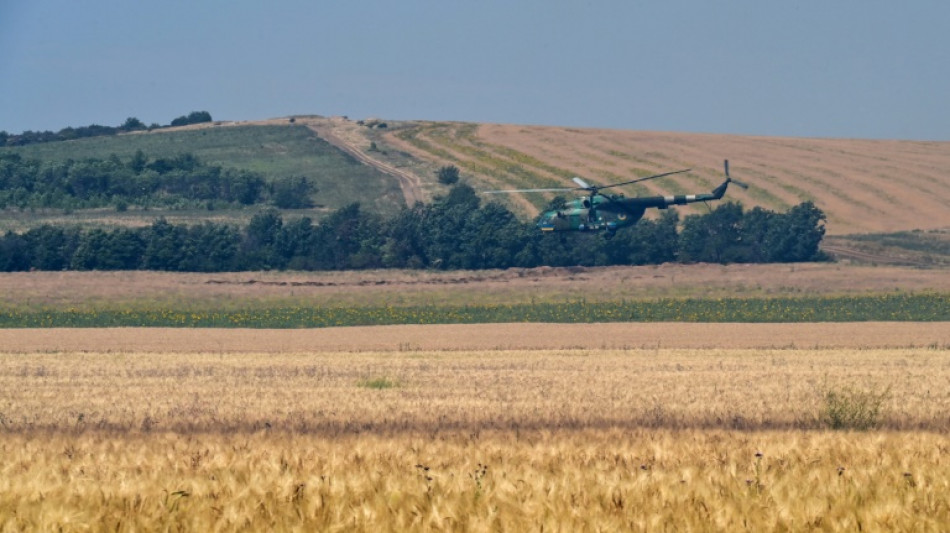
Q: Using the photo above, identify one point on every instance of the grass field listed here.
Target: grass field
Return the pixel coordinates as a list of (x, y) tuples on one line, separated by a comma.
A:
[(276, 151), (569, 439), (929, 307)]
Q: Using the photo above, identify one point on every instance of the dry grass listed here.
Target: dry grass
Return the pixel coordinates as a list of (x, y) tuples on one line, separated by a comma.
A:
[(469, 390), (470, 440), (590, 480)]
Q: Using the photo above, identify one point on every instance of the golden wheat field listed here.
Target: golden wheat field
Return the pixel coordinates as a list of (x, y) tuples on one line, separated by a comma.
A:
[(155, 436)]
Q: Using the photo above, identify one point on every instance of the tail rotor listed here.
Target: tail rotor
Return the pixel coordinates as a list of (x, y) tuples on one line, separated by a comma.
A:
[(729, 178)]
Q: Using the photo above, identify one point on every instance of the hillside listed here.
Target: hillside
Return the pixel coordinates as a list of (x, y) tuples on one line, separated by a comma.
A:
[(863, 186), (277, 150)]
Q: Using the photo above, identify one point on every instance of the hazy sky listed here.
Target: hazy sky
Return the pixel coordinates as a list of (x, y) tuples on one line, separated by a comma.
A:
[(841, 68)]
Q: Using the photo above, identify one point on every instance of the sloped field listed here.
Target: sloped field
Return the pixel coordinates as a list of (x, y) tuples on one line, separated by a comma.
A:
[(863, 186)]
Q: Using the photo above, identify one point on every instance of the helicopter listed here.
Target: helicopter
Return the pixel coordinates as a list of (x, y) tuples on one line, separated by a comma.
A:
[(609, 212)]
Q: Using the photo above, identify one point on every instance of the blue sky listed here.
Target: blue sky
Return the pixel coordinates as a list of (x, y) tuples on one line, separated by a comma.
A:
[(862, 69)]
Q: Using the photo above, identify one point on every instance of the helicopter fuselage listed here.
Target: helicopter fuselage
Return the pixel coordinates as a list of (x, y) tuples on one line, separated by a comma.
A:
[(598, 211), (608, 214), (612, 212)]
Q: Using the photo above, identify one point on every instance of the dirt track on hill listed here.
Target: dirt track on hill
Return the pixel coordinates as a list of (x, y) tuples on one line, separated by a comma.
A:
[(408, 182), (481, 337)]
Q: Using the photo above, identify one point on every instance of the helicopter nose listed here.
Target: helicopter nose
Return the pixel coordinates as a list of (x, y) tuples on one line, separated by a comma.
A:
[(546, 223)]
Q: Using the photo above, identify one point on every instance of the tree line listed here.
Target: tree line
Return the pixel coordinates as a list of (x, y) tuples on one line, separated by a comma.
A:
[(95, 130), (454, 232), (180, 181)]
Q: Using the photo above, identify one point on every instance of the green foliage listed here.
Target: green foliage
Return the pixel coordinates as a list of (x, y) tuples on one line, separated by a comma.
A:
[(293, 193), (93, 130), (730, 235), (260, 240), (51, 247), (195, 117), (848, 408), (14, 253), (647, 242), (132, 124), (844, 405), (349, 238), (454, 232), (200, 248), (377, 383), (795, 235), (448, 175), (119, 249), (140, 181)]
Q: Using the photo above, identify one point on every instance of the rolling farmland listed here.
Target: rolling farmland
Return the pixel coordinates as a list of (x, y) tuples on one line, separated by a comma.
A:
[(671, 425), (863, 186), (833, 417)]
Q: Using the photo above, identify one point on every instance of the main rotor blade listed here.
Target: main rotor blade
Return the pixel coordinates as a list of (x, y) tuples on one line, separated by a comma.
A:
[(583, 184), (510, 191), (653, 177)]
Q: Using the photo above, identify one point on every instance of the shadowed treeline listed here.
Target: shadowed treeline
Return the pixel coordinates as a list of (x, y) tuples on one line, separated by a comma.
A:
[(455, 232)]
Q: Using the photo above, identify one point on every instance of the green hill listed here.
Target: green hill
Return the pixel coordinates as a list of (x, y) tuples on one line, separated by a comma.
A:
[(275, 151)]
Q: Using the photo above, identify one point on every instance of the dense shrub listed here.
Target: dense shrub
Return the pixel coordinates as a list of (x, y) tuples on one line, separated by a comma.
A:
[(138, 181)]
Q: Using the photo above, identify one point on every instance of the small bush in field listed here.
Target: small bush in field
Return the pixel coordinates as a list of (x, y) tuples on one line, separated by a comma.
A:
[(848, 408), (378, 383)]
